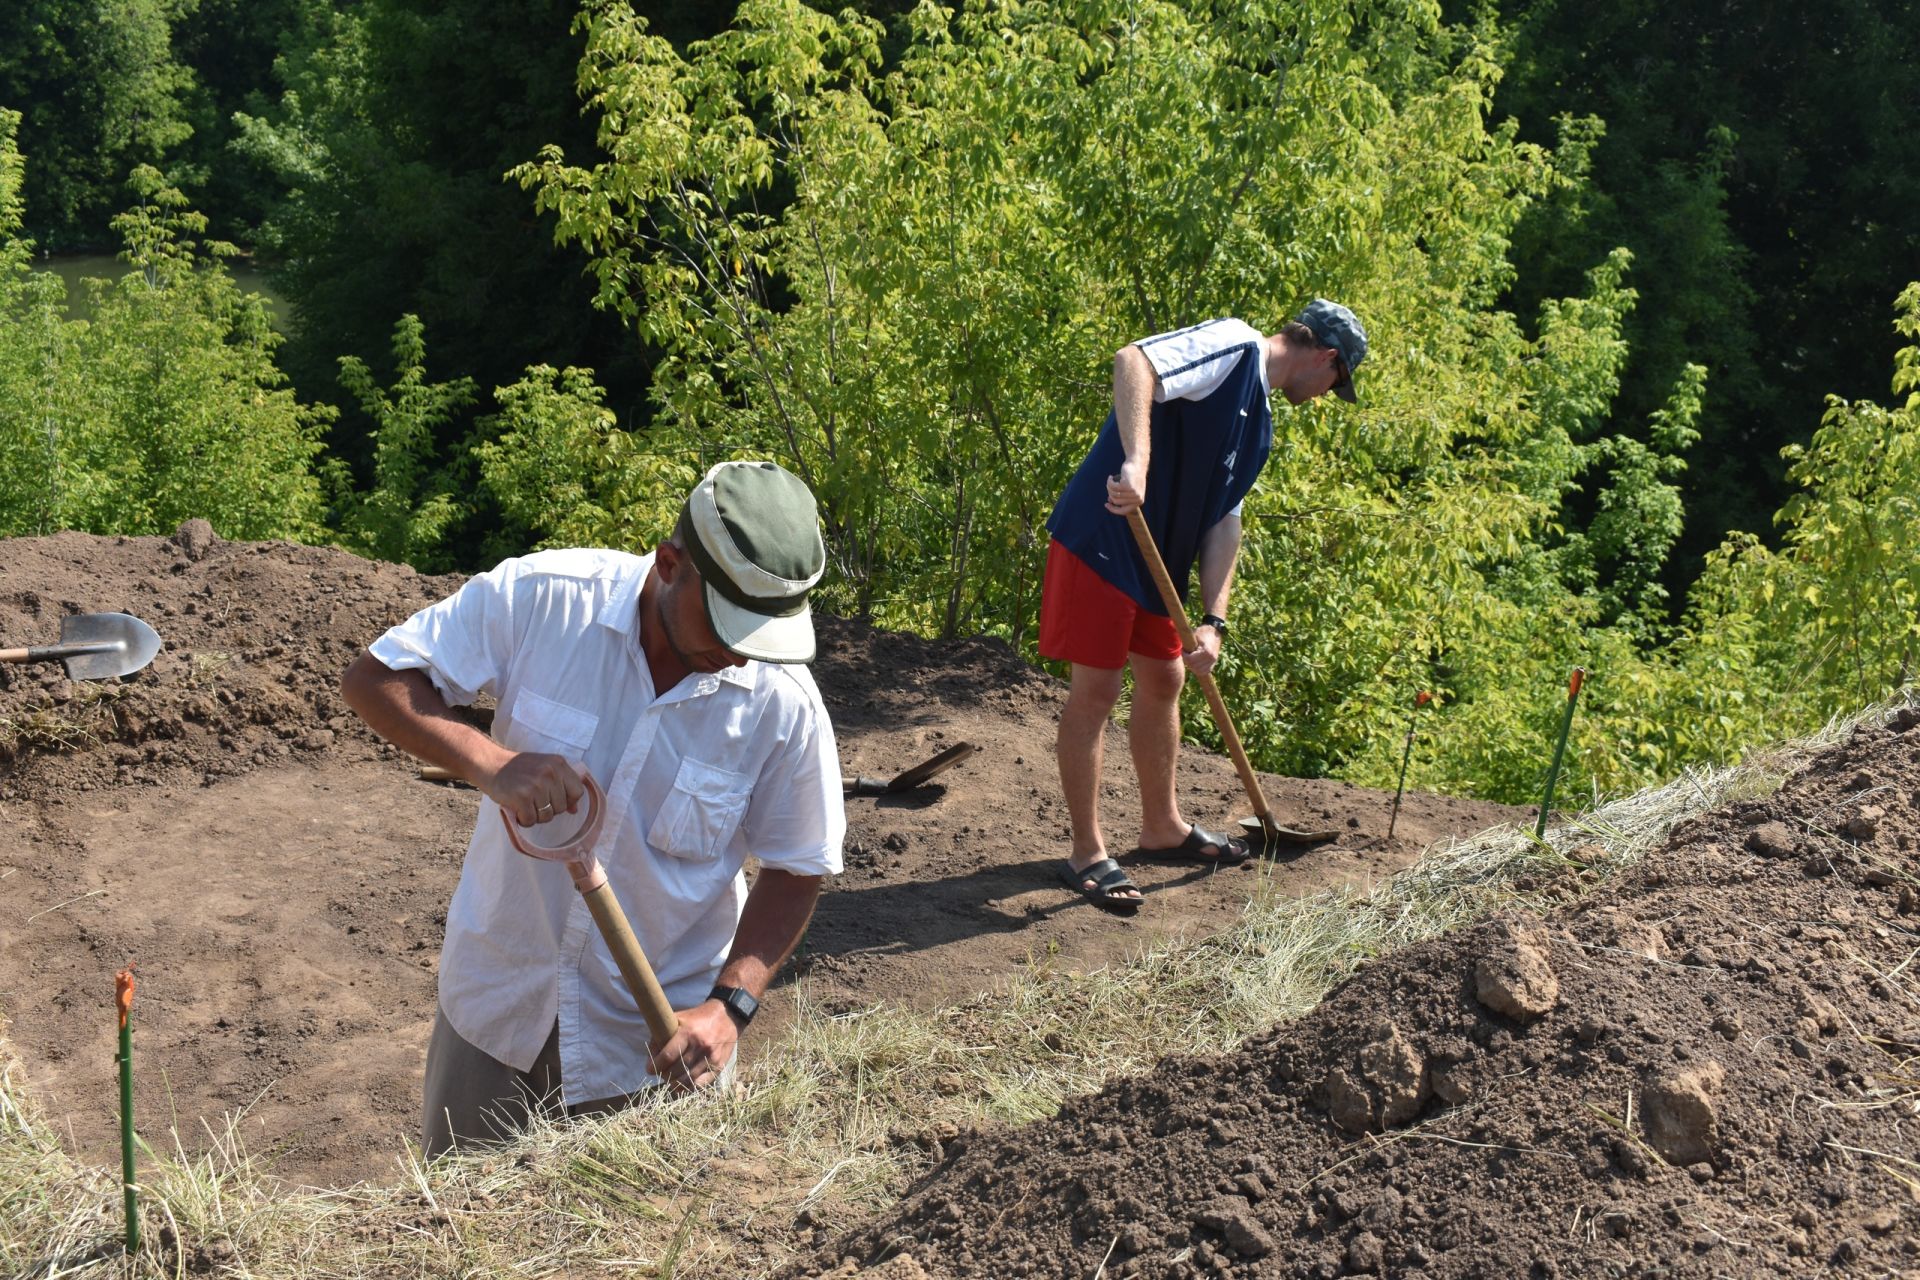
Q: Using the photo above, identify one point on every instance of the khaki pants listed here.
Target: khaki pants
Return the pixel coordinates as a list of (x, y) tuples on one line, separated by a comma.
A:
[(472, 1099)]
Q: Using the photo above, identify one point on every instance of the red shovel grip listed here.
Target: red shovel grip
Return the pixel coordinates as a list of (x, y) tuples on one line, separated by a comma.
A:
[(577, 853)]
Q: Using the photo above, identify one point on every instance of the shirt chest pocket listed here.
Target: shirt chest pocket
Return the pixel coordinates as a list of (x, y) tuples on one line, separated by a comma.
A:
[(541, 724), (701, 813)]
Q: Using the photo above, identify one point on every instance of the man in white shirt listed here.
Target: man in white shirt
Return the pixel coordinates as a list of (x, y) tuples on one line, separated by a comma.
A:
[(677, 679), (1189, 432)]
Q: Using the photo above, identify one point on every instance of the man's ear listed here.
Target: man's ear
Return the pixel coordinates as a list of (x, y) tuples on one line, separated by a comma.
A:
[(667, 559)]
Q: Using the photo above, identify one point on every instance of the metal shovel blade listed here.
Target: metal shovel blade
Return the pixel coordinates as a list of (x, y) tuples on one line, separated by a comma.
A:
[(104, 645), (1264, 837)]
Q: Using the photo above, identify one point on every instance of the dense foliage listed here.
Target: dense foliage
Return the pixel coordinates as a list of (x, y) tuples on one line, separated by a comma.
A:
[(166, 404), (1759, 159), (900, 259)]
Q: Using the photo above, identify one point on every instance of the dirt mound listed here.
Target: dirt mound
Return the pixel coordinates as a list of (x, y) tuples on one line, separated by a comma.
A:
[(1707, 1070), (280, 877), (255, 636)]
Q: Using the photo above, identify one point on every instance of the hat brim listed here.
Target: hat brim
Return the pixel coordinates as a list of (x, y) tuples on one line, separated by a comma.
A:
[(1345, 391), (757, 636)]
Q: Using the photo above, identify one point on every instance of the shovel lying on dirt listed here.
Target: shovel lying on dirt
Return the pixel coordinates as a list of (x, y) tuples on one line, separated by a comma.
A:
[(908, 779), (1261, 830), (95, 646), (591, 880)]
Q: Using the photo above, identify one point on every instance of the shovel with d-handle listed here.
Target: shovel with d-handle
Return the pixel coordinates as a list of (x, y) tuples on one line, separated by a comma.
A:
[(95, 646), (1261, 826), (591, 880)]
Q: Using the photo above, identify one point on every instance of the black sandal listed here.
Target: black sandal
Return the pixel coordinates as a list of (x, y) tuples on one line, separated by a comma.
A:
[(1110, 881), (1228, 851)]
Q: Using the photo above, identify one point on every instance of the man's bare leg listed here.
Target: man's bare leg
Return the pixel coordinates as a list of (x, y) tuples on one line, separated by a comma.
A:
[(1153, 736), (1080, 751)]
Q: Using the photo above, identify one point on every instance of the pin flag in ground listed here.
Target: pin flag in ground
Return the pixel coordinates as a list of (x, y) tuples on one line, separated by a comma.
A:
[(1559, 749), (1405, 755), (123, 998)]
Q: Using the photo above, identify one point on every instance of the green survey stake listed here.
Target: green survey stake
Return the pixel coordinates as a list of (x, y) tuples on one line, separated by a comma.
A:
[(1406, 754), (1559, 749), (123, 998)]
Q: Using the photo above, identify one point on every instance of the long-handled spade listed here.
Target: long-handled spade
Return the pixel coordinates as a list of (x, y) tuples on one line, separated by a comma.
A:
[(95, 646), (1261, 827), (591, 880)]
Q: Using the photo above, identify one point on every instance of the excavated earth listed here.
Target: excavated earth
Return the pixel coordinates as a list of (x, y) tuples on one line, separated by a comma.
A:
[(279, 877), (1709, 1068)]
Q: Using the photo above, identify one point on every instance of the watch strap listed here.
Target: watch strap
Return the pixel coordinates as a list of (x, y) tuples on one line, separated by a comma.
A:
[(738, 1002), (1215, 621)]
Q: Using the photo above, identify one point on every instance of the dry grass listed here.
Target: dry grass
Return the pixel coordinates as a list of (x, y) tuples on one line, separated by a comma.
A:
[(86, 719), (825, 1131)]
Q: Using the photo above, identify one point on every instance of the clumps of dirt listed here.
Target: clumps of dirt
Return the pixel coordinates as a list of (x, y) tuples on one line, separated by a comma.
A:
[(1514, 977), (254, 634), (1709, 1068)]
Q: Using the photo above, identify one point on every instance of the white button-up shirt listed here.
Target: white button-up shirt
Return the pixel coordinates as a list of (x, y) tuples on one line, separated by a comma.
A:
[(721, 766)]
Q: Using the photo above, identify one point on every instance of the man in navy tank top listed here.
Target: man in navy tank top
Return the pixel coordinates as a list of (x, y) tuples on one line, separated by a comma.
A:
[(1189, 431)]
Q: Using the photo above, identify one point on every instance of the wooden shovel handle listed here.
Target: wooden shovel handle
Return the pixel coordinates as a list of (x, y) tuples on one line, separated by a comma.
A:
[(1223, 721), (633, 964), (57, 652)]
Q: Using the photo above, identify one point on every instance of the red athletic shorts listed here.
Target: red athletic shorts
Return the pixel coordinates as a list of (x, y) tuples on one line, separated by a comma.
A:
[(1086, 619)]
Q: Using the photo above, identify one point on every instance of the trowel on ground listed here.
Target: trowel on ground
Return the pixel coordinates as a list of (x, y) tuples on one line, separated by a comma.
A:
[(908, 779), (95, 646)]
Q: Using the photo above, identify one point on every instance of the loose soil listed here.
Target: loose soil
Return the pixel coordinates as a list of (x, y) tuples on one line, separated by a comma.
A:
[(279, 877), (1706, 1069)]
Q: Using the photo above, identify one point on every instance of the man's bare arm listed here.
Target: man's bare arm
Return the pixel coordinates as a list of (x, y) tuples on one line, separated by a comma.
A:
[(404, 708), (1219, 552), (771, 925), (1134, 382)]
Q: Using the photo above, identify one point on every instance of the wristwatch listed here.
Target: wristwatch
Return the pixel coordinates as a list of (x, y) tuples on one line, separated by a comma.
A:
[(1217, 622), (738, 1003)]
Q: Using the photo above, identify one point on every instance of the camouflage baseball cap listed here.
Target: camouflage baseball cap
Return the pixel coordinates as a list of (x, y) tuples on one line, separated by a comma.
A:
[(1335, 326)]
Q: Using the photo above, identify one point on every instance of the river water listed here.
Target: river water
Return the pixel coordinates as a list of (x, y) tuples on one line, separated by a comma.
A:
[(75, 267)]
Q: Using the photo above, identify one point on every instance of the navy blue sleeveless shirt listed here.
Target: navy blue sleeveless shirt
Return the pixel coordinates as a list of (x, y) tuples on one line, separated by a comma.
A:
[(1206, 454)]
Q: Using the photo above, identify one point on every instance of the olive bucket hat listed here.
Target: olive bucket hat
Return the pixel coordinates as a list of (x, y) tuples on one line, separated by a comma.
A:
[(753, 531)]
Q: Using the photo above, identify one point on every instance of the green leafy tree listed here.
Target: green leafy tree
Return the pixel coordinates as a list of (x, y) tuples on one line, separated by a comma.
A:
[(922, 331), (231, 48), (37, 346), (405, 513), (387, 142), (165, 405), (1846, 584), (99, 90), (1759, 160), (560, 468)]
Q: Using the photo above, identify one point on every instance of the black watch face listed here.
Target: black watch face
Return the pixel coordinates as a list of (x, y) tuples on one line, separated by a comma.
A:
[(742, 1005)]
